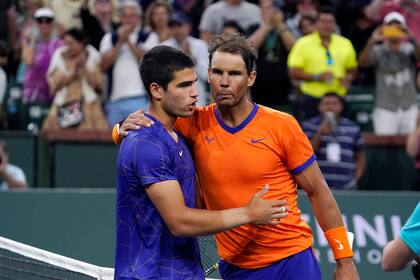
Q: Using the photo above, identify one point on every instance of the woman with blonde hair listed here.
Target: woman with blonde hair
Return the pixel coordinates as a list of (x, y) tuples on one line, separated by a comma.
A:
[(157, 19)]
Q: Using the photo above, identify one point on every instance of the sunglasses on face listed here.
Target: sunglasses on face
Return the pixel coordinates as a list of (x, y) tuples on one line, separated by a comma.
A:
[(44, 20)]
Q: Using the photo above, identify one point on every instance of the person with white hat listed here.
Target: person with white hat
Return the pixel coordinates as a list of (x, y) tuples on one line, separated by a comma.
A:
[(393, 51), (38, 46)]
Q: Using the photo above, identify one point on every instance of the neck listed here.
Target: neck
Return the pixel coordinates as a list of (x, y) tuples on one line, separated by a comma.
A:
[(167, 120), (235, 115), (325, 38)]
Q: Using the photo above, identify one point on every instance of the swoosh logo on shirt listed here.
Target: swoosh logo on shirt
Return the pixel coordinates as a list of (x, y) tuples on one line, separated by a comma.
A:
[(255, 141), (180, 153), (209, 139)]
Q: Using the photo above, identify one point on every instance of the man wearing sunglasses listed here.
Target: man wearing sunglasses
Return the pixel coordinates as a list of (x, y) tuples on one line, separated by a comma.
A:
[(322, 62)]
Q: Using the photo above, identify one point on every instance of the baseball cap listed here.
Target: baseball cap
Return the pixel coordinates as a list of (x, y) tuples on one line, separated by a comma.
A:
[(44, 13), (394, 16), (178, 18)]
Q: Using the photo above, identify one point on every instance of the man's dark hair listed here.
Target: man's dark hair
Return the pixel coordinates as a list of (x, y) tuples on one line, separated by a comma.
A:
[(334, 94), (234, 44), (326, 10), (4, 49), (160, 64), (234, 24), (77, 34)]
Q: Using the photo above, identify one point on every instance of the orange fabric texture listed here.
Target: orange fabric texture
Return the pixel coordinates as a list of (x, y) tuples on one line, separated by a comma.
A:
[(233, 165), (339, 243)]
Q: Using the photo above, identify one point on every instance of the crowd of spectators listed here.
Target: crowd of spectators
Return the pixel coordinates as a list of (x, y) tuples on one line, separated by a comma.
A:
[(78, 60)]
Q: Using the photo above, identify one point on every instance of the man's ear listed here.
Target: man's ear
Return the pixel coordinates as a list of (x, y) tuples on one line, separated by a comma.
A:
[(156, 91)]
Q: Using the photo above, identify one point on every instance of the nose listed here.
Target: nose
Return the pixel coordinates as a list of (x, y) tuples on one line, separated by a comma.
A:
[(224, 81), (194, 91)]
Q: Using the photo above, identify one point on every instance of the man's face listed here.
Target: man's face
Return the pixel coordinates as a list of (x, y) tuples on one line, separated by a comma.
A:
[(331, 104), (130, 17), (180, 31), (229, 79), (181, 95), (326, 24)]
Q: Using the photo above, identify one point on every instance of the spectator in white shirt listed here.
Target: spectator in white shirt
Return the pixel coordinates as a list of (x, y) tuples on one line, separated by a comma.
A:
[(194, 47), (122, 52)]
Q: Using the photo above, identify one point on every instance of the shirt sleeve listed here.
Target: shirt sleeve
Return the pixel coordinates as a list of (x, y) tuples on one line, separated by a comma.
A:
[(106, 43), (297, 150), (410, 232), (359, 144), (152, 162), (206, 22)]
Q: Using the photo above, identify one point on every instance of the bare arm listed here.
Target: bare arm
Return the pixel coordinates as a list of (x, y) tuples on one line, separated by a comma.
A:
[(109, 57), (205, 35), (365, 54), (257, 38), (360, 158), (372, 10), (326, 212), (137, 51), (396, 255), (412, 144), (184, 221), (11, 181)]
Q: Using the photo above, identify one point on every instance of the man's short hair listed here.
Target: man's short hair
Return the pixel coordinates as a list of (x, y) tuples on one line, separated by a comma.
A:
[(234, 44), (326, 10), (334, 94), (132, 4), (160, 64)]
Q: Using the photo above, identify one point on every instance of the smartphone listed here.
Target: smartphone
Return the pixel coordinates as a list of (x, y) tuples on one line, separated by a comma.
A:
[(392, 31)]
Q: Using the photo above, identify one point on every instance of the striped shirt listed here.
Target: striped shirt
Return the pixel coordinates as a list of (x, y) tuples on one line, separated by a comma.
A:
[(339, 175)]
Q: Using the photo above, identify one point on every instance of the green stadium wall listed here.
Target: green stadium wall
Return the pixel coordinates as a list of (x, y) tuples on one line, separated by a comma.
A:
[(80, 223)]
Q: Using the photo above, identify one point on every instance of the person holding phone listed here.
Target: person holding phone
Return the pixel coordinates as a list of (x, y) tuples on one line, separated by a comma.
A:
[(337, 142), (393, 51)]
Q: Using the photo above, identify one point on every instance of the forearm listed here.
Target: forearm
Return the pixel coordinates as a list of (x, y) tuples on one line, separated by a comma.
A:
[(315, 140), (205, 35), (323, 203), (286, 36), (194, 222), (412, 145), (257, 38), (109, 57), (372, 10), (364, 60), (27, 54), (93, 78), (12, 182), (396, 255), (360, 164), (138, 52), (61, 80), (299, 74)]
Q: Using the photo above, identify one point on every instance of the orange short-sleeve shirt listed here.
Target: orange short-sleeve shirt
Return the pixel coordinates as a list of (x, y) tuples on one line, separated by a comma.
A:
[(235, 163)]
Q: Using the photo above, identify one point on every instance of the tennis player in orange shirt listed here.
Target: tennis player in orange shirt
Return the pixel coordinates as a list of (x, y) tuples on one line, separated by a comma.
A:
[(239, 145)]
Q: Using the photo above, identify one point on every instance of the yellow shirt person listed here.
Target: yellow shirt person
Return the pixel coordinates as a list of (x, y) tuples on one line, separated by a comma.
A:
[(313, 58)]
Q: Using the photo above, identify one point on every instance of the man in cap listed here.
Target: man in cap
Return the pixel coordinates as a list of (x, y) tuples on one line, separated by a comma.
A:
[(392, 50), (196, 48)]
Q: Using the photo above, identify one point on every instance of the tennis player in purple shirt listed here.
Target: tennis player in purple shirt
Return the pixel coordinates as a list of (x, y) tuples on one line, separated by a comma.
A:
[(156, 192)]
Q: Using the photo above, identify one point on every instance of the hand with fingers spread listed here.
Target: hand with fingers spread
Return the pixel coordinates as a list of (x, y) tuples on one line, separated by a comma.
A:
[(262, 212), (135, 121)]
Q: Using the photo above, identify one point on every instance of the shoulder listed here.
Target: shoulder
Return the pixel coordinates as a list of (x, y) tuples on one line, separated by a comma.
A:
[(197, 42), (342, 40), (349, 125), (276, 120), (215, 8), (250, 6), (106, 41), (147, 143)]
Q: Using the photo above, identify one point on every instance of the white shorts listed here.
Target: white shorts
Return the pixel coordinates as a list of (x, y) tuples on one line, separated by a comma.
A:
[(401, 122)]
